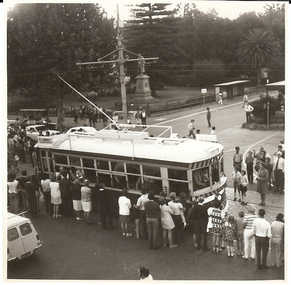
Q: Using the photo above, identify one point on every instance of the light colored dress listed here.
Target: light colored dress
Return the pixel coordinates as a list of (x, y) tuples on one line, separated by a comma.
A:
[(55, 193), (86, 199), (166, 218)]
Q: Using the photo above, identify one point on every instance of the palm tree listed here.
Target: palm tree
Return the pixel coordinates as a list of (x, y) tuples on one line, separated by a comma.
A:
[(257, 49)]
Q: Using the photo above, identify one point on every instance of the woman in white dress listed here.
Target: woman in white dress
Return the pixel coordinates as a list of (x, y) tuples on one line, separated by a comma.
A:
[(167, 223), (56, 199), (86, 193)]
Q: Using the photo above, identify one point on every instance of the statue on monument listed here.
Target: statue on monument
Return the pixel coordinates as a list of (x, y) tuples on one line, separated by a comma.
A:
[(141, 64)]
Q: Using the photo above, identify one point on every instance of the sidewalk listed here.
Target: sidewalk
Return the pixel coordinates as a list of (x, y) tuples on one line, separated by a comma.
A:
[(274, 204)]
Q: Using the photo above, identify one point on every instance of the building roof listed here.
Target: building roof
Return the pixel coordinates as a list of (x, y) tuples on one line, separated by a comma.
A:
[(275, 85), (232, 83)]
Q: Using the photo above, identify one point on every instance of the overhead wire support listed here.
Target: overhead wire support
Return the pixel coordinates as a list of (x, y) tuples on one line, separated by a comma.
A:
[(120, 60)]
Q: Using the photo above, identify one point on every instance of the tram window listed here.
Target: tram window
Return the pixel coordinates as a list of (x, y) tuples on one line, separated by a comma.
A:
[(43, 153), (75, 161), (132, 168), (104, 178), (117, 166), (45, 165), (215, 172), (90, 175), (119, 181), (152, 185), (60, 159), (177, 174), (88, 163), (101, 164), (151, 171), (178, 187), (200, 178), (132, 180)]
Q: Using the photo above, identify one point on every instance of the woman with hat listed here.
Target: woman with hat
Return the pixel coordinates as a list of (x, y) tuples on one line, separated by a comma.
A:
[(277, 240), (262, 182)]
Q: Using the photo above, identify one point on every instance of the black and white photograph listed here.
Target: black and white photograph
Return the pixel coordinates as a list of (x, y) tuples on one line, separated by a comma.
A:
[(145, 141)]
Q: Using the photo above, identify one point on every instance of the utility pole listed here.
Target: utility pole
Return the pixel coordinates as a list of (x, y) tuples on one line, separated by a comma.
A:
[(121, 68), (120, 60)]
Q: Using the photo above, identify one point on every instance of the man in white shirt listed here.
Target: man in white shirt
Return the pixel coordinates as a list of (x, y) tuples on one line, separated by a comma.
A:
[(191, 128), (142, 214), (278, 167), (262, 231), (124, 212), (248, 109)]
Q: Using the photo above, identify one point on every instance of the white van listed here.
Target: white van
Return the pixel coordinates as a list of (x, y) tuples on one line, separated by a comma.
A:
[(22, 238)]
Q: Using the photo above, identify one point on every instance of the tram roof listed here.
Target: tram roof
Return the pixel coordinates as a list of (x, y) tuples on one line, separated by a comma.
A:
[(133, 145)]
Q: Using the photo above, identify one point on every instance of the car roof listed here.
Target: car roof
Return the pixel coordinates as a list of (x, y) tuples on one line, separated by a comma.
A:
[(35, 126), (14, 220)]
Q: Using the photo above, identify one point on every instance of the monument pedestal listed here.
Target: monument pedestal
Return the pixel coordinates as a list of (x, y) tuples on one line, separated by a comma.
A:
[(143, 91)]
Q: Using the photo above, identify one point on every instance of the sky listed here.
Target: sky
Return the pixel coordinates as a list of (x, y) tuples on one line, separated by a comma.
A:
[(225, 9), (229, 9)]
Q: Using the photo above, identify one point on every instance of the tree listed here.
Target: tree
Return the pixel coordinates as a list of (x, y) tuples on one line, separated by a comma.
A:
[(42, 37), (208, 72), (151, 33), (258, 48)]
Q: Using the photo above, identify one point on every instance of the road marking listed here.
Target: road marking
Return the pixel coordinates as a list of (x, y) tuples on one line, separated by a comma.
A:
[(161, 119), (204, 111)]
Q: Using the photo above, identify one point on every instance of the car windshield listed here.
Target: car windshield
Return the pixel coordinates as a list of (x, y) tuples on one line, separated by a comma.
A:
[(41, 128)]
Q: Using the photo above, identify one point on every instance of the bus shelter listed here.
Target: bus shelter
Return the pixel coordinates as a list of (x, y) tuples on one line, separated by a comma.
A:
[(232, 88), (280, 86)]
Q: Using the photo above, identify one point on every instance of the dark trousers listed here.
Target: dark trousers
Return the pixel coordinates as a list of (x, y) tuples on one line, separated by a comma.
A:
[(248, 117), (106, 219), (20, 199), (32, 205), (47, 201), (238, 164), (143, 224), (152, 226), (201, 235), (67, 204), (209, 123), (279, 177), (250, 172), (262, 246), (178, 230)]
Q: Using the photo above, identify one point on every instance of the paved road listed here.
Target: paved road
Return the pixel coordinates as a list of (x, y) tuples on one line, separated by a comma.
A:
[(74, 250)]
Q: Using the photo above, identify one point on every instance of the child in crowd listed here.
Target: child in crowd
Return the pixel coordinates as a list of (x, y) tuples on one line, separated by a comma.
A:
[(239, 223), (243, 187), (236, 177), (229, 234), (249, 160)]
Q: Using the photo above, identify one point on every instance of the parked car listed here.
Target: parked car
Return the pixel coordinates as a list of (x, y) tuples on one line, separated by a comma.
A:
[(22, 238), (28, 122), (34, 130)]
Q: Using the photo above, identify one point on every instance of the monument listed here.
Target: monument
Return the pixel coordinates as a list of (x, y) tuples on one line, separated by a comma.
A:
[(143, 91)]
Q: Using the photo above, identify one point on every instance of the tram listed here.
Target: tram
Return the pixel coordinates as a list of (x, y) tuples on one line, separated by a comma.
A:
[(135, 156)]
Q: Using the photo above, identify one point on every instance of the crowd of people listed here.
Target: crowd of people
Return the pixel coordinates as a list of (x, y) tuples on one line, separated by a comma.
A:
[(248, 234), (19, 147), (269, 177)]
